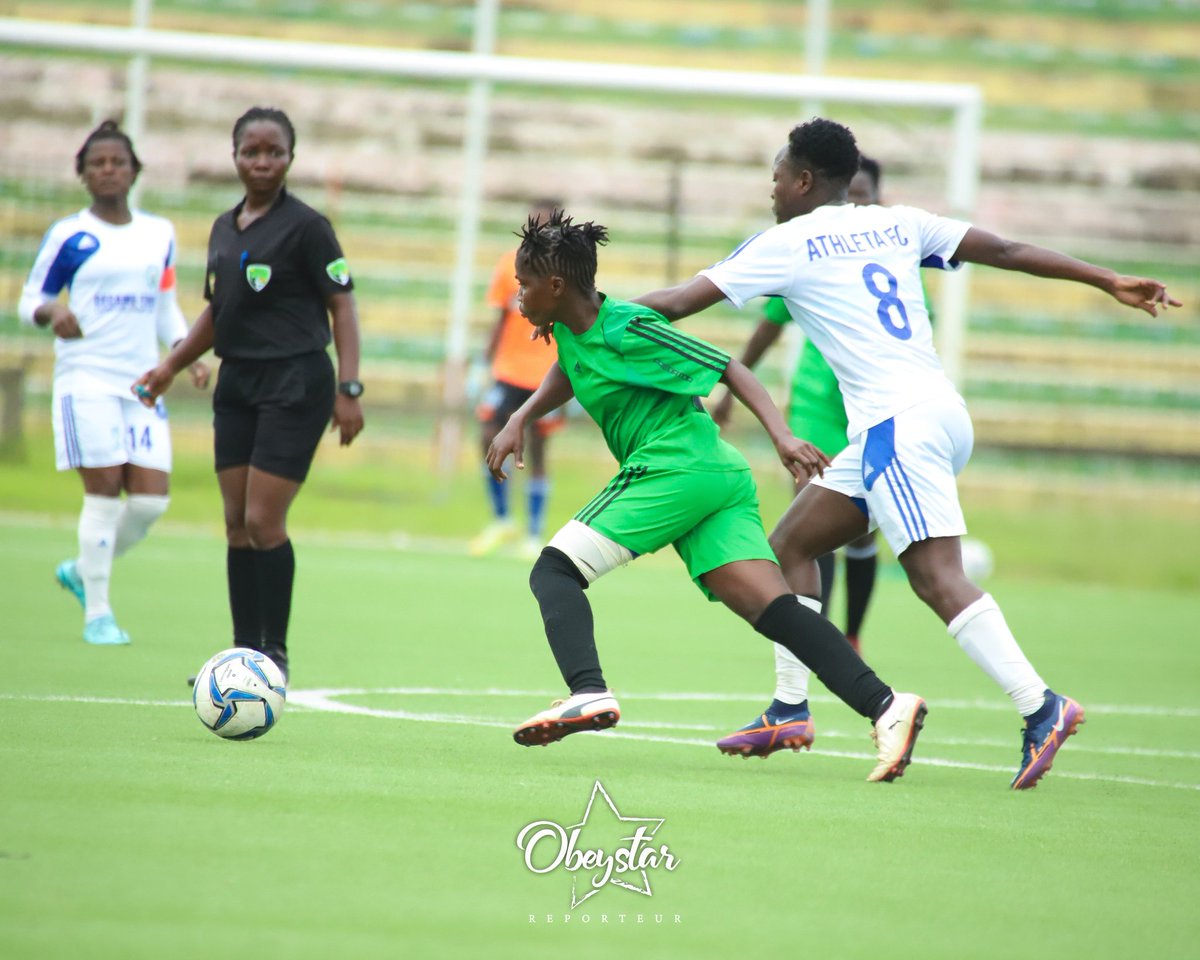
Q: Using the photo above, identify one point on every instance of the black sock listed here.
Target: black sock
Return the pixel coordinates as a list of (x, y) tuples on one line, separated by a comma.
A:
[(242, 575), (567, 615), (825, 563), (276, 572), (860, 581), (819, 645)]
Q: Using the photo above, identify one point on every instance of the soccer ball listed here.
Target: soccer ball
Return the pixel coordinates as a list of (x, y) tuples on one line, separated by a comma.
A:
[(239, 694), (977, 560)]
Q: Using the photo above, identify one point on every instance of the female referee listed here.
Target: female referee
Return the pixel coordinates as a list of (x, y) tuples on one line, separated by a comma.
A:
[(276, 276), (118, 268)]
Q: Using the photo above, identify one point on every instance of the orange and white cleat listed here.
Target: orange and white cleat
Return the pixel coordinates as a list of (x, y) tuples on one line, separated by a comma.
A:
[(895, 735), (578, 712)]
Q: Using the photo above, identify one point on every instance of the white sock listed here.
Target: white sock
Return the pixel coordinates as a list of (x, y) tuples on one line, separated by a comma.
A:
[(791, 676), (97, 540), (141, 510), (982, 632)]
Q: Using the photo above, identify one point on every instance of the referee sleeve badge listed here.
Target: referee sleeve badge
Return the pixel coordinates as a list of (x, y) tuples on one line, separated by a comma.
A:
[(258, 275), (339, 271)]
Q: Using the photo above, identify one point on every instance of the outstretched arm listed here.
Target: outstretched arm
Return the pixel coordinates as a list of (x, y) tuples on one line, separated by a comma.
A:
[(979, 246), (800, 457), (684, 299), (555, 390), (674, 303)]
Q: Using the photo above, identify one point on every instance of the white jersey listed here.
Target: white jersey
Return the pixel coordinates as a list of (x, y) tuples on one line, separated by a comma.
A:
[(121, 288), (850, 276)]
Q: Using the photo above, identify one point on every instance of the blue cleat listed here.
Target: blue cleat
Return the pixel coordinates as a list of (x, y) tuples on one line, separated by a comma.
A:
[(103, 631), (769, 732), (1042, 740), (67, 575)]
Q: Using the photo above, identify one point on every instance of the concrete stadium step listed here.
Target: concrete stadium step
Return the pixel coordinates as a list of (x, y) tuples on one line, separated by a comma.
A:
[(1025, 426)]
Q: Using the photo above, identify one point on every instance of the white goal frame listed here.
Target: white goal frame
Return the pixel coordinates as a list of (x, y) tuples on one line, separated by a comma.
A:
[(481, 68)]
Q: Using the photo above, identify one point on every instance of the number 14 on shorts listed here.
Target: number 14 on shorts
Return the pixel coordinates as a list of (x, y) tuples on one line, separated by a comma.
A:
[(138, 437)]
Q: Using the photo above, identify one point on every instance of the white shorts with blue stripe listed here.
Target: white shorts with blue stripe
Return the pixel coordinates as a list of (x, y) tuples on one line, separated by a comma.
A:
[(97, 429), (902, 472)]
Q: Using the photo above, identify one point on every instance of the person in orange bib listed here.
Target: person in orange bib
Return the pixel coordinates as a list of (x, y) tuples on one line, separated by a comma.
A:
[(518, 366)]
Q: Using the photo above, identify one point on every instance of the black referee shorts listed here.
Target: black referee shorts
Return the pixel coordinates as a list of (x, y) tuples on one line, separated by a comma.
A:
[(271, 414)]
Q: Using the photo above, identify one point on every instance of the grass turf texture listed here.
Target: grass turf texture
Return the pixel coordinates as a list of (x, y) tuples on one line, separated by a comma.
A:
[(127, 830)]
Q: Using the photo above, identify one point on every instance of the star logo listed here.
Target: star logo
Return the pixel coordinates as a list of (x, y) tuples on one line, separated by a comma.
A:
[(618, 850)]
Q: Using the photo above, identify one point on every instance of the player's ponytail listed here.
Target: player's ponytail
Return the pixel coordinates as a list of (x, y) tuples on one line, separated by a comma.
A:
[(108, 130)]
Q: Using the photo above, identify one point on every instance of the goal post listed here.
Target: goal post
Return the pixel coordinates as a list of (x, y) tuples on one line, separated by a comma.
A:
[(963, 101)]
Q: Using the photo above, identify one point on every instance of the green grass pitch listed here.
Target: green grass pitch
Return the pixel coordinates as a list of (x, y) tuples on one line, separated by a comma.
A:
[(380, 818)]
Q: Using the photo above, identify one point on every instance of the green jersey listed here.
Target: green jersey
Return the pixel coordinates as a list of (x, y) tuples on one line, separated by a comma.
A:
[(814, 384), (639, 378)]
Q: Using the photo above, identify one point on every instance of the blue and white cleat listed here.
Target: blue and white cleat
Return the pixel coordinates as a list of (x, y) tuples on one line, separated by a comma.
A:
[(67, 575), (769, 732), (103, 631), (1041, 741)]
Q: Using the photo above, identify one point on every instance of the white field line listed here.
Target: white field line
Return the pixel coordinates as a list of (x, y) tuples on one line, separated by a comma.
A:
[(1128, 710), (1112, 709), (323, 701)]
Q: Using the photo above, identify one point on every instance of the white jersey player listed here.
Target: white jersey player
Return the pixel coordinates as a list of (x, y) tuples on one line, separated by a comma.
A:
[(116, 267), (850, 278), (120, 284)]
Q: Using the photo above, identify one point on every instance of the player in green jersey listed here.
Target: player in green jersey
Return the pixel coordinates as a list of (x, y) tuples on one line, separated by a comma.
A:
[(679, 483)]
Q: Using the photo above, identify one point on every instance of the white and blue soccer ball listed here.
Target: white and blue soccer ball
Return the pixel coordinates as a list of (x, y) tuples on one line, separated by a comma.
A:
[(977, 560), (239, 694)]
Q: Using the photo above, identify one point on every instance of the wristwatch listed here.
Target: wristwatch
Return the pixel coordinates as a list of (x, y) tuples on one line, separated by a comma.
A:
[(351, 388)]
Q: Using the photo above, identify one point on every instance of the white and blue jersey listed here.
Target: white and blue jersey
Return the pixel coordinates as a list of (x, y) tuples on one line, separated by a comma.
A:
[(120, 283), (850, 276)]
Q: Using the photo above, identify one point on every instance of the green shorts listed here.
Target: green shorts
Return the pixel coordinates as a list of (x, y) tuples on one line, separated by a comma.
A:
[(711, 518)]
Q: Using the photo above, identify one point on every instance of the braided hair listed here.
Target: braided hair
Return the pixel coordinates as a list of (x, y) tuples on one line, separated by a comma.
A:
[(108, 130), (558, 246), (255, 114)]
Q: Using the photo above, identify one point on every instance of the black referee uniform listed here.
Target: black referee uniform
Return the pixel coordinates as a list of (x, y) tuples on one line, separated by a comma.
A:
[(267, 286)]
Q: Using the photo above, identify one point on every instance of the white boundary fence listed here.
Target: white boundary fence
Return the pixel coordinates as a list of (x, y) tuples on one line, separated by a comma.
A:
[(965, 101)]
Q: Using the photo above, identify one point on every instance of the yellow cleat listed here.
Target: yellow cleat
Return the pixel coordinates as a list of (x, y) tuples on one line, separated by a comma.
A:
[(495, 535)]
